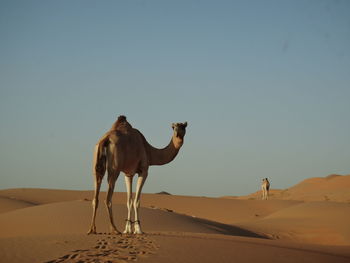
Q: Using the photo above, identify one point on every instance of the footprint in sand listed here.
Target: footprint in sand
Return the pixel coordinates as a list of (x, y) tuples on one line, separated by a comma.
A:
[(112, 249)]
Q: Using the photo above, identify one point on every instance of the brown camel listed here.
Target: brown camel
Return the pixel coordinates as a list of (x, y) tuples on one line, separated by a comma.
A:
[(125, 149), (265, 188)]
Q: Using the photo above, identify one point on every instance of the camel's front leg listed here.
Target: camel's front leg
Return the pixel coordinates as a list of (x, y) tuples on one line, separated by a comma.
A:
[(140, 182), (99, 169), (128, 183)]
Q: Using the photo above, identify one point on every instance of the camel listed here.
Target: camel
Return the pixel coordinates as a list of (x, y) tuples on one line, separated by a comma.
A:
[(125, 149), (265, 186)]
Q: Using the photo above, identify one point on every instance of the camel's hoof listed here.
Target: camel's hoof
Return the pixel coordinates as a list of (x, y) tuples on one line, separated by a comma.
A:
[(128, 227), (137, 230), (115, 232), (91, 232)]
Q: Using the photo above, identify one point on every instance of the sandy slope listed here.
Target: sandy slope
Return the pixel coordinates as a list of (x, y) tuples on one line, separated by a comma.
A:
[(217, 209), (9, 204), (42, 225), (311, 222), (329, 188), (162, 247), (74, 217)]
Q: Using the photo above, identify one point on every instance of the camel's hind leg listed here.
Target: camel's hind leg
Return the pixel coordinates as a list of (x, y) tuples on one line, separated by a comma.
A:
[(99, 169), (112, 177), (98, 181), (263, 193)]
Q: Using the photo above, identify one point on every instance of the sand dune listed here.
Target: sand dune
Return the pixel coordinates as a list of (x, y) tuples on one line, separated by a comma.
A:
[(216, 209), (45, 196), (9, 204), (74, 217), (43, 225), (330, 188), (312, 222)]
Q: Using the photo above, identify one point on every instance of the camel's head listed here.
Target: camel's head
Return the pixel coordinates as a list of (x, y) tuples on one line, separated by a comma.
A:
[(179, 130)]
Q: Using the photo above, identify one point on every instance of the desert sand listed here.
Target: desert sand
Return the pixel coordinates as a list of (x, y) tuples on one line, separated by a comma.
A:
[(296, 225)]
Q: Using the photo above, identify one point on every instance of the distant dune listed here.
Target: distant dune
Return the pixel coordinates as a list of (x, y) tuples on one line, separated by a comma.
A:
[(163, 193), (330, 188), (9, 204), (46, 225)]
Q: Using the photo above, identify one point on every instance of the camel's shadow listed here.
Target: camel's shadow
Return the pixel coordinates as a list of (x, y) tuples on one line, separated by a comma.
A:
[(230, 230), (165, 220)]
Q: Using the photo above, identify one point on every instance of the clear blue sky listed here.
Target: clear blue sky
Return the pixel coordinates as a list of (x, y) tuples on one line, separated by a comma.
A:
[(264, 86)]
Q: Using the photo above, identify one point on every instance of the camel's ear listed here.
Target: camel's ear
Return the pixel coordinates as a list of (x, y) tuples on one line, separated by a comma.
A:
[(173, 125), (185, 124)]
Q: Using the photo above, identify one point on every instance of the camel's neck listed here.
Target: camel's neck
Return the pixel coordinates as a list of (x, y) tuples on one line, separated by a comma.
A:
[(165, 155)]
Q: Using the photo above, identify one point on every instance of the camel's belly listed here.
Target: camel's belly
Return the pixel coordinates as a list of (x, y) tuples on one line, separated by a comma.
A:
[(126, 156)]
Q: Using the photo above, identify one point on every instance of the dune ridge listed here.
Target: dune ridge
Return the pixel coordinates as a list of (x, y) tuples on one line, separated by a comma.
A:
[(9, 204)]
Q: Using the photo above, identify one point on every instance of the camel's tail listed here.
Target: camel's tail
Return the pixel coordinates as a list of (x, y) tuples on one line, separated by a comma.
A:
[(100, 158)]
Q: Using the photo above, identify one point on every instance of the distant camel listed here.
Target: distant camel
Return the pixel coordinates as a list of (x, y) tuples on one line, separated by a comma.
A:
[(125, 149), (265, 187)]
